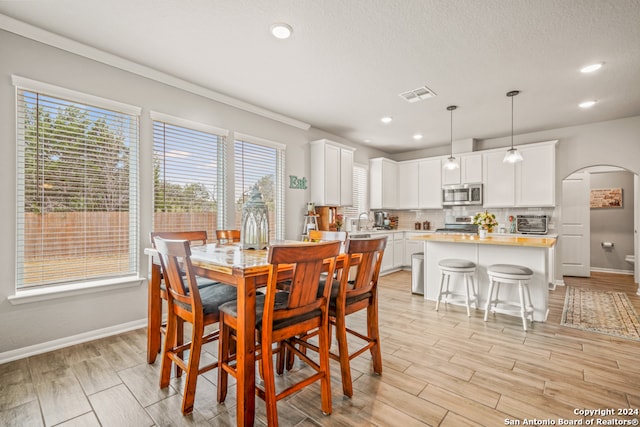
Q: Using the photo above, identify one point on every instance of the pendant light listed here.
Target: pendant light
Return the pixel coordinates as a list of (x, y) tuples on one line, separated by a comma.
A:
[(450, 163), (512, 155)]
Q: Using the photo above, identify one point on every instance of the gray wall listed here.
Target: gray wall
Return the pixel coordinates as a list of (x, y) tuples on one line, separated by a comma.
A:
[(612, 224), (33, 324)]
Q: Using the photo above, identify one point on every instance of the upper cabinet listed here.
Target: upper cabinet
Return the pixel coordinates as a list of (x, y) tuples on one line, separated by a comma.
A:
[(331, 173), (530, 183), (429, 184), (536, 175), (409, 183), (383, 183), (468, 172)]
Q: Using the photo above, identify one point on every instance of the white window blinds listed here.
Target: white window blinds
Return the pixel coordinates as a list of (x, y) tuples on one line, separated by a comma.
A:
[(262, 163), (77, 206), (360, 192), (189, 179)]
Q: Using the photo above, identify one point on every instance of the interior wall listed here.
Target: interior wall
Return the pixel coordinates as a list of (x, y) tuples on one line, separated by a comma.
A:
[(613, 225), (35, 323)]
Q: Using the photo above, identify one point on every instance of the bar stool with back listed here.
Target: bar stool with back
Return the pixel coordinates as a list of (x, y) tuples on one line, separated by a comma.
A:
[(187, 303), (281, 316)]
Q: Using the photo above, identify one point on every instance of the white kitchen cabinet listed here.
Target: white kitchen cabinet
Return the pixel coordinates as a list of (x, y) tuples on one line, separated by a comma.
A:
[(398, 250), (469, 170), (429, 184), (383, 183), (536, 175), (529, 183), (331, 178), (499, 180), (408, 185), (387, 256)]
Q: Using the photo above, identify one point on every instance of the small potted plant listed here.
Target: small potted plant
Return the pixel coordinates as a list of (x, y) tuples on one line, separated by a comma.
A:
[(485, 222)]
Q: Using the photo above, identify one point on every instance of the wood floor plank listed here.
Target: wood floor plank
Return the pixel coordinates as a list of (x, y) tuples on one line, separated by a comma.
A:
[(61, 397), (86, 420), (144, 383), (24, 415), (118, 407), (95, 374)]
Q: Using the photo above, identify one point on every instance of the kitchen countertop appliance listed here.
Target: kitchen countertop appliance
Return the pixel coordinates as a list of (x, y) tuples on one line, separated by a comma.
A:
[(458, 225), (379, 218), (532, 224)]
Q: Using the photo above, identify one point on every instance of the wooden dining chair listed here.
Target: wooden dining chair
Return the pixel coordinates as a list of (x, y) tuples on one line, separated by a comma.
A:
[(228, 236), (350, 296), (281, 316), (325, 236), (187, 303), (155, 324)]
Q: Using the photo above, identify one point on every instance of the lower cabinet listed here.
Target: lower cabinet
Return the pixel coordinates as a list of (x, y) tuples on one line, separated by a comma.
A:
[(397, 254)]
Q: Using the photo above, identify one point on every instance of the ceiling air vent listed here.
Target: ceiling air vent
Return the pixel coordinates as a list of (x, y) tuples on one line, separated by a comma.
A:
[(416, 95)]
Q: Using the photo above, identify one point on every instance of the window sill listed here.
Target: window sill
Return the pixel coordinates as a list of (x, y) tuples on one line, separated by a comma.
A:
[(62, 291)]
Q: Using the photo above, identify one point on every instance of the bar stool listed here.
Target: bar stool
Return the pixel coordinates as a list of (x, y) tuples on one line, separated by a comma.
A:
[(514, 275), (465, 267)]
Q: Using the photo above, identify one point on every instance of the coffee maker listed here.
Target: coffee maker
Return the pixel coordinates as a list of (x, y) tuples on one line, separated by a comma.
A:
[(379, 218)]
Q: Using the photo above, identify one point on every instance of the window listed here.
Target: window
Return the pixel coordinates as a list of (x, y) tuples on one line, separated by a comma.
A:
[(188, 175), (77, 206), (360, 192), (260, 162)]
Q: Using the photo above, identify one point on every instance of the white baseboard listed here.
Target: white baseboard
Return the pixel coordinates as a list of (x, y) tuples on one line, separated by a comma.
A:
[(613, 271), (44, 347)]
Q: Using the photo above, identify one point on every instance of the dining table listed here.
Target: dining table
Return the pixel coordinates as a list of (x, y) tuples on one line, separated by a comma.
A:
[(247, 270)]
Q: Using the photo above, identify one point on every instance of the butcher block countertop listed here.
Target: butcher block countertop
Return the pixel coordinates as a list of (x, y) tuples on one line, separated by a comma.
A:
[(528, 241)]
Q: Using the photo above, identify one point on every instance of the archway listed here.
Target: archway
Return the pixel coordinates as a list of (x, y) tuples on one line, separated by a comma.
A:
[(599, 239)]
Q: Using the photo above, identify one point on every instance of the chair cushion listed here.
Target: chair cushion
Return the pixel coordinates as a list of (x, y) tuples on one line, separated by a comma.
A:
[(213, 297), (335, 288), (282, 299), (203, 282), (511, 269), (456, 263)]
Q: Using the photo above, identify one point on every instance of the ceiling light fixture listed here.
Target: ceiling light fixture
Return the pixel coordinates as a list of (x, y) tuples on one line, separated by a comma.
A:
[(281, 31), (587, 104), (450, 163), (592, 67), (513, 155), (386, 119), (417, 136)]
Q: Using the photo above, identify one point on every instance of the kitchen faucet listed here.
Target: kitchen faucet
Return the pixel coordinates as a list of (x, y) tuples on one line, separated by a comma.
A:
[(366, 214)]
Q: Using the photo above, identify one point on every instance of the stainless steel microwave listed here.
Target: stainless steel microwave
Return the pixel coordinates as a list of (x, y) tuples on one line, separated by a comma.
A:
[(462, 195)]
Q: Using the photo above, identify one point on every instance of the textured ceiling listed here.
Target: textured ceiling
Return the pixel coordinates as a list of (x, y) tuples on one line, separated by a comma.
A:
[(347, 61)]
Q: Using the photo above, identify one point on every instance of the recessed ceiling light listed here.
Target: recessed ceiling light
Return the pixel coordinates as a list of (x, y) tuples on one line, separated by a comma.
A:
[(281, 31), (417, 136), (386, 119), (591, 68), (367, 140), (587, 104)]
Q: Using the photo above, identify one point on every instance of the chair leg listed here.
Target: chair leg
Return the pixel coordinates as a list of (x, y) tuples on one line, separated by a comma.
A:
[(440, 291), (523, 310), (489, 299), (179, 341), (269, 384), (192, 369), (223, 358), (170, 341), (325, 381), (466, 285), (374, 334), (343, 351)]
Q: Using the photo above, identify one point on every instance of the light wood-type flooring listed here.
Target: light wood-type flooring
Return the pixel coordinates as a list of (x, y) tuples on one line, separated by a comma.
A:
[(440, 369)]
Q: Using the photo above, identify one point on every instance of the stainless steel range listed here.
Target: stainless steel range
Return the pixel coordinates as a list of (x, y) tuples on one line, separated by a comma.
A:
[(458, 225)]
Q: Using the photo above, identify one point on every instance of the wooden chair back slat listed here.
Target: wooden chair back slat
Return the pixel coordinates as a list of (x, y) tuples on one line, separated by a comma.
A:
[(228, 236)]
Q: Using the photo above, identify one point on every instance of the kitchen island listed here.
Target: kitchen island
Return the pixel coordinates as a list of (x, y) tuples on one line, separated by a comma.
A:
[(535, 252)]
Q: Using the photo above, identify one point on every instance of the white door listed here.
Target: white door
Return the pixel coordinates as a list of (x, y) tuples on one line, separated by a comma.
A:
[(575, 252)]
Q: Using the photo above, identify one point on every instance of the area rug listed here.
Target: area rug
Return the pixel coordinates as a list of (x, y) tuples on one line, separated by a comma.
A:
[(605, 312)]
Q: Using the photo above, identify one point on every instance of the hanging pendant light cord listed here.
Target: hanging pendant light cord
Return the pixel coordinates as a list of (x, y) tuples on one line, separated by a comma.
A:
[(451, 108), (511, 94)]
